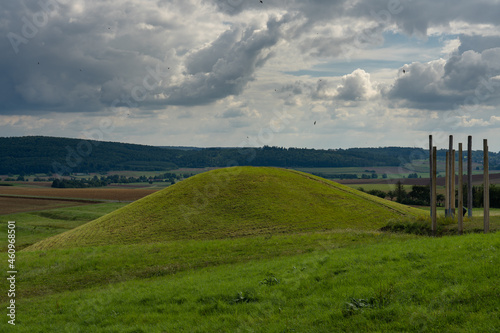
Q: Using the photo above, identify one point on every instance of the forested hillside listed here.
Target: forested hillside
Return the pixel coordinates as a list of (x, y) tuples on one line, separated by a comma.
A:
[(37, 154)]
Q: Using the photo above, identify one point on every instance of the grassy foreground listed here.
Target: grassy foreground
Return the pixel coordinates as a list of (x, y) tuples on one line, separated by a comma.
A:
[(449, 284)]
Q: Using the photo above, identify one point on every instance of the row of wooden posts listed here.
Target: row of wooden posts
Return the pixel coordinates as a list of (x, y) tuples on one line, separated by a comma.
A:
[(450, 181)]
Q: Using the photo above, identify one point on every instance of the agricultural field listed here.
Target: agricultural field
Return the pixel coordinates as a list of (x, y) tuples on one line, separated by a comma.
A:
[(10, 205), (93, 194), (248, 249)]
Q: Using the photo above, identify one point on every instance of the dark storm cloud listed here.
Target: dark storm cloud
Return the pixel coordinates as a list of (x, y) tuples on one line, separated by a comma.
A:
[(225, 67), (416, 17), (54, 59), (105, 57), (411, 17)]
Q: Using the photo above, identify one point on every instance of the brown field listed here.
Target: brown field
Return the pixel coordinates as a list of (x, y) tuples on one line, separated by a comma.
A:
[(18, 205), (124, 194)]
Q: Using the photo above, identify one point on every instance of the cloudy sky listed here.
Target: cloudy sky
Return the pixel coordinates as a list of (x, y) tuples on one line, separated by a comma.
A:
[(308, 73)]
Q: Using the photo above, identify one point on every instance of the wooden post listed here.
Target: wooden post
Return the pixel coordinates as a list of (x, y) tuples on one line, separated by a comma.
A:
[(469, 177), (433, 192), (451, 161), (447, 185), (486, 189), (431, 168), (453, 182), (460, 190)]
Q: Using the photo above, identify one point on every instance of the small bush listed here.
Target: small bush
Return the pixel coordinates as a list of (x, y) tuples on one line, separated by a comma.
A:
[(355, 306), (382, 297), (246, 296), (421, 225), (270, 280)]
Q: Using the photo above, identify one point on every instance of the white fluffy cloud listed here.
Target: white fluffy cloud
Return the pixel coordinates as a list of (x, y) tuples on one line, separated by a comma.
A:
[(356, 86), (447, 84)]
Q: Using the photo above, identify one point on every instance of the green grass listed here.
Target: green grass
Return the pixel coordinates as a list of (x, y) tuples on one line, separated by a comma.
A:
[(235, 202), (80, 268), (345, 277), (449, 284), (32, 227)]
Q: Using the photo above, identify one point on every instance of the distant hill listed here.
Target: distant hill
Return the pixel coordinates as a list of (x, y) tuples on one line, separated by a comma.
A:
[(39, 154), (235, 202)]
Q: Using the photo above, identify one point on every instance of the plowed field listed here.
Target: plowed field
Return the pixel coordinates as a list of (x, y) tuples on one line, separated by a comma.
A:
[(79, 193), (18, 205)]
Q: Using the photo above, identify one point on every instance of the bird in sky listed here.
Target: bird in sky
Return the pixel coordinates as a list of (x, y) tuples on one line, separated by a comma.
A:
[(315, 122), (404, 71)]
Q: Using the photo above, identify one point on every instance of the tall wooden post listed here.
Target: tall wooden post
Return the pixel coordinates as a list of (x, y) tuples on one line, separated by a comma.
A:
[(460, 190), (486, 182), (453, 182), (431, 168), (451, 161), (469, 176), (433, 192), (447, 187)]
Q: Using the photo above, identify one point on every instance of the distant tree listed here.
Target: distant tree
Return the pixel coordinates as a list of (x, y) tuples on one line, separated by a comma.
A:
[(440, 199), (378, 193), (391, 194), (56, 183), (400, 192), (420, 195)]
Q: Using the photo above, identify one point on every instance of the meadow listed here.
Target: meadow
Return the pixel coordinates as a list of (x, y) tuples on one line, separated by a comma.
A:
[(322, 270)]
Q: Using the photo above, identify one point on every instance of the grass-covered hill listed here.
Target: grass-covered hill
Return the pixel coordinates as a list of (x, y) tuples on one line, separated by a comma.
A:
[(235, 202)]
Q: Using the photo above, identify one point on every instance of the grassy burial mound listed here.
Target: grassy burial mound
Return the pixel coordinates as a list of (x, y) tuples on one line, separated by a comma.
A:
[(235, 202)]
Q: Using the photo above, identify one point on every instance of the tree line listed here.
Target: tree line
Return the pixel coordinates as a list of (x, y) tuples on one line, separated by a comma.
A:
[(420, 195), (37, 154), (116, 179)]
